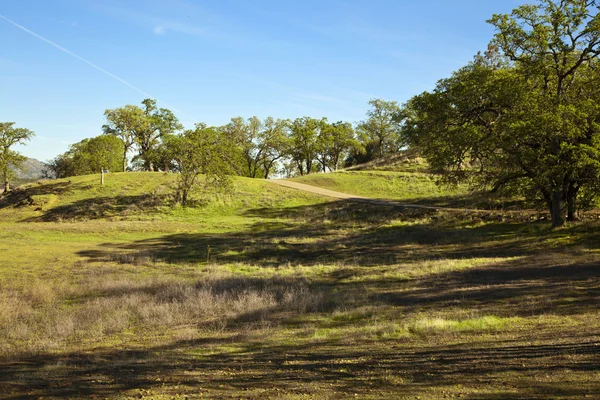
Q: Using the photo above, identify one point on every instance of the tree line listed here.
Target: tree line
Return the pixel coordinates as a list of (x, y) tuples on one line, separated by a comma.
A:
[(523, 118), (252, 147)]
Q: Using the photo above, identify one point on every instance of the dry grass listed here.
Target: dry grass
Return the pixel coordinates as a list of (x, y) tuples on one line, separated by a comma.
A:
[(45, 318)]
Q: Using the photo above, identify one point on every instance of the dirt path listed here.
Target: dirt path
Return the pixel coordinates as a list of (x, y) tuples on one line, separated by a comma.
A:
[(392, 203), (346, 196)]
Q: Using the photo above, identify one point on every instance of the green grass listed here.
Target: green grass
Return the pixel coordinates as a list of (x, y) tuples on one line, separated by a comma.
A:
[(382, 184), (112, 292), (411, 186)]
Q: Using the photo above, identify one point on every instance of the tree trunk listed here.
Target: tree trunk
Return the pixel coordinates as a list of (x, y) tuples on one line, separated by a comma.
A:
[(125, 160), (556, 212), (572, 202), (300, 167), (151, 166), (184, 197), (5, 179)]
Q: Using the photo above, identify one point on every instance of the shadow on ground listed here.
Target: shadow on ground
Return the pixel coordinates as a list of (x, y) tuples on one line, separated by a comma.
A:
[(538, 272), (524, 275), (354, 234), (324, 369)]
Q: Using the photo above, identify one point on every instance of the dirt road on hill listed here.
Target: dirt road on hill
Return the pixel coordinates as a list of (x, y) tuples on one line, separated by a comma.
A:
[(391, 203), (346, 196)]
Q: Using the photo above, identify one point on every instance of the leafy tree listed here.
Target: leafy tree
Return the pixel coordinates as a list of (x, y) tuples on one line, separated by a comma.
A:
[(274, 142), (261, 143), (156, 124), (382, 128), (141, 127), (10, 136), (364, 153), (245, 135), (304, 142), (203, 150), (529, 122), (89, 156), (335, 140), (126, 123), (164, 153), (59, 167)]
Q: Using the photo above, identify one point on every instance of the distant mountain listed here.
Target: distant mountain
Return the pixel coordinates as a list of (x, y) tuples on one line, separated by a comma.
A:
[(31, 170)]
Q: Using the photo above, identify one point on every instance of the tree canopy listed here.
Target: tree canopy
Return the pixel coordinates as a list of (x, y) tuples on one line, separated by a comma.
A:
[(381, 128), (9, 158), (203, 150), (142, 128), (89, 156), (529, 123)]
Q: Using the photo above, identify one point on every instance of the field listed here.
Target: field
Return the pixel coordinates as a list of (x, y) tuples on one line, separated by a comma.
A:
[(267, 292)]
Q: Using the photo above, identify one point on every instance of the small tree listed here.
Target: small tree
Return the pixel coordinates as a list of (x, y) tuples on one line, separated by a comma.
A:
[(203, 150), (260, 143), (335, 141), (274, 142), (88, 157), (10, 136)]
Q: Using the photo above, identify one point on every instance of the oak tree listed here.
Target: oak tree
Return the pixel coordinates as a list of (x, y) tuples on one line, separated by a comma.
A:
[(9, 158)]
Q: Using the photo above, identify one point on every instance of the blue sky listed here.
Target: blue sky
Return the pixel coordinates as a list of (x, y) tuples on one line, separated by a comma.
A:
[(212, 60)]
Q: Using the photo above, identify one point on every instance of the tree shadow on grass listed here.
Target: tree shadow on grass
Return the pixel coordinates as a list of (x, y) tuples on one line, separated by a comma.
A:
[(529, 286), (524, 275), (102, 208), (341, 232), (99, 207), (325, 369), (23, 196)]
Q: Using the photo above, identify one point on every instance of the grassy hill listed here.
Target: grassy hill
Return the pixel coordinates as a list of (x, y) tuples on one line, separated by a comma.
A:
[(136, 196), (394, 185), (267, 292), (405, 177)]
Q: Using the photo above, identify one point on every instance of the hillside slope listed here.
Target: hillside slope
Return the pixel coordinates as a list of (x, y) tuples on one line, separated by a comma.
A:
[(267, 292), (137, 195)]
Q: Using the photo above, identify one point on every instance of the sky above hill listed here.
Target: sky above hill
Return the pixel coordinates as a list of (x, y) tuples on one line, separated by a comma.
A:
[(63, 62)]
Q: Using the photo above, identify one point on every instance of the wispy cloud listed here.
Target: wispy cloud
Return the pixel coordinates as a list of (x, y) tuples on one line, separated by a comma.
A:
[(330, 97), (64, 50), (163, 26)]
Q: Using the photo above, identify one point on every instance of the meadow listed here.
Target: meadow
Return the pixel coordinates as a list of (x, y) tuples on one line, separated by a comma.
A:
[(267, 292)]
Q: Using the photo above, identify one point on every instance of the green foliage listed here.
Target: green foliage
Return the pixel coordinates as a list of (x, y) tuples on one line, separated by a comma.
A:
[(381, 128), (336, 140), (304, 142), (124, 123), (260, 144), (204, 150), (142, 128), (9, 159), (525, 119), (89, 156), (157, 124)]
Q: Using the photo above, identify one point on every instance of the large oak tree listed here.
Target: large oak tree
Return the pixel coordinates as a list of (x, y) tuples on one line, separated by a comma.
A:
[(530, 122)]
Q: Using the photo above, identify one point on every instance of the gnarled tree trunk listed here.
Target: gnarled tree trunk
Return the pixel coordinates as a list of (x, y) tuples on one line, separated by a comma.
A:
[(556, 209)]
